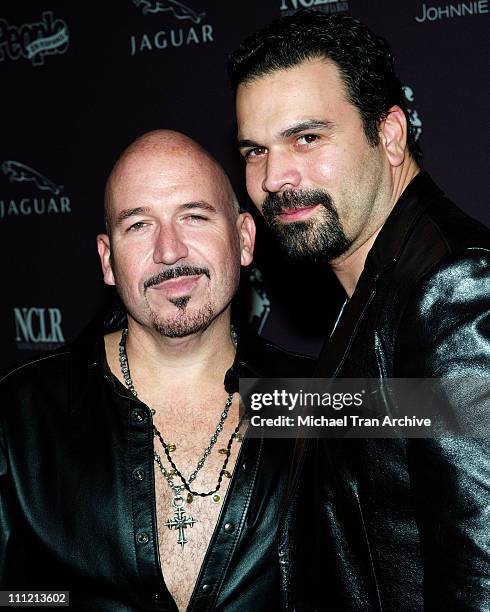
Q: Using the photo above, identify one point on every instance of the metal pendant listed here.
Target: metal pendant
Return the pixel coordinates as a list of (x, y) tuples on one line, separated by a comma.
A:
[(180, 521)]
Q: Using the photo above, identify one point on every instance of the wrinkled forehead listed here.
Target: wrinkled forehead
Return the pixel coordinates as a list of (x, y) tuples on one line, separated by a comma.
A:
[(166, 179), (310, 88)]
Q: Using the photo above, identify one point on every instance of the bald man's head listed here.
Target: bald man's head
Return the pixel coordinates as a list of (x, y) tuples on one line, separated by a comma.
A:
[(177, 240), (167, 153)]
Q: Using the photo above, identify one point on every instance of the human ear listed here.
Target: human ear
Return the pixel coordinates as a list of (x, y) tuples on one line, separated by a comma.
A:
[(246, 229), (104, 249), (393, 135)]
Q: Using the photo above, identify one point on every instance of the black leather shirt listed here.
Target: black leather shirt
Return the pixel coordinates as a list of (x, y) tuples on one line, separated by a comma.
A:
[(77, 496)]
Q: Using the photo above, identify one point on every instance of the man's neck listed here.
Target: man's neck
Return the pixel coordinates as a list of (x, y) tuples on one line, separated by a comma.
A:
[(349, 269), (198, 361)]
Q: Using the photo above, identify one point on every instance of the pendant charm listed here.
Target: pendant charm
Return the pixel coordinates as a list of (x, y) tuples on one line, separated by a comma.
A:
[(180, 521)]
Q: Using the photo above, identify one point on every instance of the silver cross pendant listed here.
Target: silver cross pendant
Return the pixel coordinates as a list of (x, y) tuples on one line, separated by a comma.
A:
[(180, 521)]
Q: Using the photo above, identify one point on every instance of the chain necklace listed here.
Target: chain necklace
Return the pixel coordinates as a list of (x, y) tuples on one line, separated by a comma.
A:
[(181, 521)]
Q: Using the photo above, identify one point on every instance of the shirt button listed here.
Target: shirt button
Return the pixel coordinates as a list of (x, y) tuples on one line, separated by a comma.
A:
[(229, 527), (206, 588), (139, 474), (138, 415), (142, 538), (157, 597)]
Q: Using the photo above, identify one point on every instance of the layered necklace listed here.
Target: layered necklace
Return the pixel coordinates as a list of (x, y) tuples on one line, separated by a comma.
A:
[(180, 521)]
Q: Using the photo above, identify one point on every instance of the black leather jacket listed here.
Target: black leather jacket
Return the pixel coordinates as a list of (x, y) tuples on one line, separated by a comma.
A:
[(76, 515), (403, 524)]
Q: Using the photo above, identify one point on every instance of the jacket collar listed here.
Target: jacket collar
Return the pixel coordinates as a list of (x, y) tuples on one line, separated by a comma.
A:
[(247, 363), (384, 253), (399, 225)]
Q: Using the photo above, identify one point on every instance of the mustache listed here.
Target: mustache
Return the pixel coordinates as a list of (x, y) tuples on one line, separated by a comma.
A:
[(170, 273), (275, 203)]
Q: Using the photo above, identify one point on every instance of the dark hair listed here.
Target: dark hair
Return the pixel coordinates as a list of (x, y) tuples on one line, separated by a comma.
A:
[(364, 59)]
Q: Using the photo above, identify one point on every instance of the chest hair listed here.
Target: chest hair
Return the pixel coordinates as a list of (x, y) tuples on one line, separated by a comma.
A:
[(181, 565)]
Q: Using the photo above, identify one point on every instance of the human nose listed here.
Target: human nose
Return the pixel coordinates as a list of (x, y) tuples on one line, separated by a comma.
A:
[(170, 246), (281, 172)]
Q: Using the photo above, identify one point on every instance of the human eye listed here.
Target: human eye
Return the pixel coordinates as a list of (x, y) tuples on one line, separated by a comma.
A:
[(307, 139), (136, 226), (253, 153), (197, 218)]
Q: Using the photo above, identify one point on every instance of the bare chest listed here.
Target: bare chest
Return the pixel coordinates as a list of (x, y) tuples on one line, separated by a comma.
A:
[(185, 527), (181, 563)]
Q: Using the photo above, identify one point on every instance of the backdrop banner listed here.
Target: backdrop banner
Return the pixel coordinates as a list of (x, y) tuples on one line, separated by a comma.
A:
[(81, 80)]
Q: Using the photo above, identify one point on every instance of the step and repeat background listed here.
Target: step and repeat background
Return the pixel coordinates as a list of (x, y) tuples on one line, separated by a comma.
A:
[(80, 80)]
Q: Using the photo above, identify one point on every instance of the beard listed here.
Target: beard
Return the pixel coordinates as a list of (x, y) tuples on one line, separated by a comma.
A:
[(319, 239), (186, 321)]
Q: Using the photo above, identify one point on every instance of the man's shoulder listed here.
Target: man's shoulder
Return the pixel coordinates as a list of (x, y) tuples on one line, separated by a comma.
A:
[(52, 369), (42, 370), (453, 250), (32, 389), (50, 387), (441, 237), (455, 228), (444, 273)]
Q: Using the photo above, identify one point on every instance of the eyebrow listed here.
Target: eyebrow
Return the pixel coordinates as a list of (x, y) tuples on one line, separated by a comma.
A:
[(297, 128), (199, 204), (302, 126), (246, 143), (130, 212)]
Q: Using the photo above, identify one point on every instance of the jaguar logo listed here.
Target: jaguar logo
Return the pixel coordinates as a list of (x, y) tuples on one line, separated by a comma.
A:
[(178, 9), (20, 173)]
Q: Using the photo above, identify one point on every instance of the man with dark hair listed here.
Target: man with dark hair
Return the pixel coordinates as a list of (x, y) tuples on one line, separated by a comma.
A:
[(123, 477), (400, 524)]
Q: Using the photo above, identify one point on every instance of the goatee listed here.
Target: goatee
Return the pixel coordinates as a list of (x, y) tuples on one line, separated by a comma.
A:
[(186, 321), (319, 239)]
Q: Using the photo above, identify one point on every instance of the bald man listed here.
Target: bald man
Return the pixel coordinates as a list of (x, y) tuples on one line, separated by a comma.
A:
[(124, 474)]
